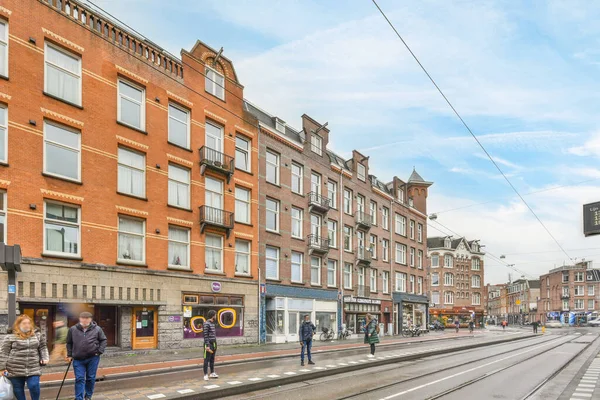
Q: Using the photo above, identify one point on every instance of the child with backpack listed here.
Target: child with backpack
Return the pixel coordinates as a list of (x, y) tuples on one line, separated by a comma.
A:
[(371, 333)]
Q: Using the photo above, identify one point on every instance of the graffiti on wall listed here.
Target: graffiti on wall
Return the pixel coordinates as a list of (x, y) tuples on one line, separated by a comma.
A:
[(229, 322)]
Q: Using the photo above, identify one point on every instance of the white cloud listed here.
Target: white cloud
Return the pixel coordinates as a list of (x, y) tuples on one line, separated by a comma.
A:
[(590, 148)]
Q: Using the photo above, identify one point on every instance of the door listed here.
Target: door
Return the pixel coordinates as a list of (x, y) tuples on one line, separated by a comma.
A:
[(214, 200), (315, 227), (293, 326), (144, 327), (214, 141), (106, 318), (43, 318), (361, 243), (315, 184), (360, 204)]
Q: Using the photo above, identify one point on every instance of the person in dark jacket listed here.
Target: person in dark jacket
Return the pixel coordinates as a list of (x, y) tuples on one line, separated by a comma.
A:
[(305, 334), (21, 355), (210, 345), (85, 343), (371, 336), (535, 325)]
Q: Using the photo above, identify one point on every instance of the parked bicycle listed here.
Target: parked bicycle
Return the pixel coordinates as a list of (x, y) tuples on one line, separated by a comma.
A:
[(344, 333), (411, 331), (327, 334)]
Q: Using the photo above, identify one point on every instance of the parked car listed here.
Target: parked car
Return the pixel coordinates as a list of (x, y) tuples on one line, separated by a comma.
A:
[(553, 324), (594, 322)]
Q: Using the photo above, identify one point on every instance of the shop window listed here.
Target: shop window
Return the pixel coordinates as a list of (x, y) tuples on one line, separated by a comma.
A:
[(229, 315)]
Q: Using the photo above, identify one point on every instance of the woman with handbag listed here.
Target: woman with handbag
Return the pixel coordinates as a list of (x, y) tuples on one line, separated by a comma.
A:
[(22, 354)]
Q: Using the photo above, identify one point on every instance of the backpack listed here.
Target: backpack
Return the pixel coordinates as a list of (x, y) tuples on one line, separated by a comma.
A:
[(377, 328)]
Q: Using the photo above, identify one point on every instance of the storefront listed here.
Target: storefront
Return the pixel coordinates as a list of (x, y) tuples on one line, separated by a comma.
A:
[(447, 316), (230, 314), (286, 307), (356, 310), (410, 309)]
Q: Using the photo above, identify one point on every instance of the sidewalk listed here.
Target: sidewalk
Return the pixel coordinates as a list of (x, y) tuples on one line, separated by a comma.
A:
[(131, 364)]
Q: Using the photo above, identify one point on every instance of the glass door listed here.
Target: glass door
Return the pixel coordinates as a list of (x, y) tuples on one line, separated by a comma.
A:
[(214, 141), (144, 328), (214, 200), (293, 326)]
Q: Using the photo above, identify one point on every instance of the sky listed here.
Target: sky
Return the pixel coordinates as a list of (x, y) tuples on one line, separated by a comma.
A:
[(523, 75)]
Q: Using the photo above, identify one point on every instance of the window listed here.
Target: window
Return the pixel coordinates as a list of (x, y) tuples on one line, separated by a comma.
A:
[(435, 261), (316, 144), (400, 282), (272, 167), (373, 281), (179, 126), (213, 198), (412, 257), (420, 233), (3, 48), (400, 195), (3, 217), (214, 141), (347, 276), (62, 74), (297, 262), (3, 128), (448, 297), (332, 194), (297, 216), (400, 225), (565, 305), (132, 240), (579, 276), (131, 105), (400, 253), (360, 204), (179, 247), (62, 230), (476, 264), (347, 238), (62, 151), (215, 83), (243, 148), (435, 279), (385, 218), (347, 201), (591, 305), (361, 172), (419, 285), (565, 291), (242, 205), (331, 272), (579, 290), (332, 233), (385, 249), (476, 299), (361, 276), (373, 212), (315, 183), (315, 270), (132, 172), (590, 290), (435, 297), (579, 304), (179, 186), (565, 277), (242, 257), (412, 229), (448, 279), (447, 243), (385, 282), (373, 245), (272, 215), (475, 281), (213, 253), (297, 178), (448, 261), (420, 259), (272, 262), (279, 125)]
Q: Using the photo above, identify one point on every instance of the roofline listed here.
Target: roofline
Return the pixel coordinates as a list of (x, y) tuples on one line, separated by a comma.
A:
[(272, 116)]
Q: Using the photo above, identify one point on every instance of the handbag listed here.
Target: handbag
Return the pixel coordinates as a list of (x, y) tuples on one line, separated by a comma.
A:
[(6, 389)]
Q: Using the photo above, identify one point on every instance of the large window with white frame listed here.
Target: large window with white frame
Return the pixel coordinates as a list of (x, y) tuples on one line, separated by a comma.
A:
[(297, 178), (361, 172), (243, 205), (400, 253), (385, 250), (411, 286), (385, 218), (132, 240), (448, 279), (315, 271), (385, 282), (132, 172), (3, 217), (243, 250), (448, 297), (297, 265), (590, 290), (332, 194), (400, 224), (272, 160), (62, 229), (435, 297), (3, 47), (373, 212), (373, 280), (347, 276), (420, 259), (3, 134), (412, 229), (412, 256), (476, 299), (179, 247), (62, 151), (347, 201), (316, 144), (347, 238), (214, 83), (591, 305), (400, 282), (419, 285), (213, 253), (131, 104), (579, 290), (272, 214), (476, 264), (435, 261), (331, 273), (373, 246), (476, 281), (272, 262), (448, 261), (243, 153), (297, 218), (179, 186), (579, 304), (332, 233), (179, 125), (420, 233), (62, 76)]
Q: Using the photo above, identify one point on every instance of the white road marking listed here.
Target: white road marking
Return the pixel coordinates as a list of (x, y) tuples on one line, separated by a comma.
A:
[(352, 362), (582, 395), (211, 387), (234, 382), (320, 368), (185, 391), (254, 379), (272, 376), (583, 390), (342, 364), (381, 358), (586, 385), (156, 396), (305, 370), (289, 373), (330, 366)]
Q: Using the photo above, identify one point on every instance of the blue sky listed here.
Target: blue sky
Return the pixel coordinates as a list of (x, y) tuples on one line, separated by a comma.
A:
[(524, 75)]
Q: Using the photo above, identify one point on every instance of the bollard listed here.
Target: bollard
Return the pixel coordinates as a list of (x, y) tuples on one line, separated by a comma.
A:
[(543, 330)]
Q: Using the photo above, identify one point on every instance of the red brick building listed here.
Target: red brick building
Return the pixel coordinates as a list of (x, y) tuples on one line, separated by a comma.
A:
[(121, 169)]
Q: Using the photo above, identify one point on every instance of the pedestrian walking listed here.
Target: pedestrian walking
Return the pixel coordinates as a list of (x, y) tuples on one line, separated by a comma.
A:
[(306, 333), (535, 324), (86, 342), (59, 352), (210, 345), (504, 323), (456, 324), (371, 334), (22, 354)]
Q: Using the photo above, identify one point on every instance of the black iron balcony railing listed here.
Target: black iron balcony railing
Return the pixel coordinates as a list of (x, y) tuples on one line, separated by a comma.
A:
[(318, 243), (210, 216), (565, 297), (318, 203), (363, 255), (362, 290), (363, 219), (216, 161)]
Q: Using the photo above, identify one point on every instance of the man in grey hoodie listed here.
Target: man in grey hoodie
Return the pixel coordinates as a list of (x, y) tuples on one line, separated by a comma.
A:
[(210, 345), (85, 343)]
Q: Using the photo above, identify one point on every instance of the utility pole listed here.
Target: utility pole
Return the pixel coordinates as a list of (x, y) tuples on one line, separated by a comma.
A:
[(10, 261)]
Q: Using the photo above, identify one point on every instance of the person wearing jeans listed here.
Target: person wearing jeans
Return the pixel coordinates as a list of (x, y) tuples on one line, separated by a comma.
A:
[(210, 345), (85, 343), (306, 333)]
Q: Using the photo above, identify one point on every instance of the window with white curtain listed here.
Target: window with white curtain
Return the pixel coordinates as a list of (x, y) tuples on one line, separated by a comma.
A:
[(131, 105), (3, 47), (214, 82), (179, 247), (242, 257), (243, 148), (297, 263), (331, 272), (62, 230), (347, 276), (132, 172), (62, 151), (297, 178), (2, 217), (179, 186), (213, 251), (272, 215), (435, 279), (62, 76), (435, 297), (132, 240), (315, 270), (400, 282), (272, 160), (179, 125), (242, 205), (297, 217), (272, 262), (400, 253), (3, 134)]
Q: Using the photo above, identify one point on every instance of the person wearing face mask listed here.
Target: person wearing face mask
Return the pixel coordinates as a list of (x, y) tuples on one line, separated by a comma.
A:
[(85, 343), (22, 354)]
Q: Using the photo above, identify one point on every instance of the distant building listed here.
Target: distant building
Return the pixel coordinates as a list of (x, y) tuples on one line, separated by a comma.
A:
[(522, 298), (496, 303)]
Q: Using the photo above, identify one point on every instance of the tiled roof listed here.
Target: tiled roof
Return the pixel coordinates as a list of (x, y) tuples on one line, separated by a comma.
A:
[(269, 120), (415, 177)]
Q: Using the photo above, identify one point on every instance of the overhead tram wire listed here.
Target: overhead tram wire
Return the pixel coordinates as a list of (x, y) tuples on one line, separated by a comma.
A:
[(469, 129)]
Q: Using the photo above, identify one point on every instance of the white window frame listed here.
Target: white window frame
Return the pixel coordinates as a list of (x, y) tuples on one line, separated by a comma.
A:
[(373, 280), (448, 264), (347, 201), (436, 258), (183, 183), (215, 83), (385, 250), (579, 290), (591, 292), (275, 165), (247, 254), (400, 253), (4, 128), (591, 304), (318, 266), (143, 236), (4, 198), (412, 284), (400, 224), (332, 233), (5, 42), (412, 229), (350, 242), (332, 194), (420, 233), (447, 243), (127, 149), (475, 281), (373, 246), (448, 279), (448, 294), (300, 265), (347, 276), (476, 264), (47, 63), (385, 282), (385, 218), (316, 144), (329, 264), (62, 146), (276, 260), (420, 259), (579, 276), (300, 222), (276, 211), (297, 178), (436, 275), (361, 172), (412, 256), (187, 245), (206, 247), (577, 304), (142, 126), (243, 153), (279, 125), (243, 203), (62, 223), (400, 283), (186, 122), (419, 285), (373, 212), (435, 297), (476, 299)]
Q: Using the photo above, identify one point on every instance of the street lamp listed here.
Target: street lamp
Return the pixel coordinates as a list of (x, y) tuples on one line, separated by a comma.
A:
[(433, 217)]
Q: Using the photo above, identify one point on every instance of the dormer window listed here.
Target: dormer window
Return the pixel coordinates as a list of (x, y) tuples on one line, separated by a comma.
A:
[(316, 144), (400, 195), (447, 243), (410, 202), (279, 125), (361, 172), (475, 247), (215, 83)]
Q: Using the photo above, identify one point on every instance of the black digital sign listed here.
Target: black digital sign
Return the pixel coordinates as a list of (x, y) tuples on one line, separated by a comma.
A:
[(591, 219)]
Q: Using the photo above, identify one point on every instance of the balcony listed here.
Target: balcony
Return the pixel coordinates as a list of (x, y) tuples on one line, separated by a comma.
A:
[(318, 203), (216, 218), (565, 297), (363, 256), (317, 244), (216, 161), (363, 220), (362, 290)]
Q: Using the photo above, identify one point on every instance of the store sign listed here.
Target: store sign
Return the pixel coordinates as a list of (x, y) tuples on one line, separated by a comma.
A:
[(591, 219), (352, 299), (216, 287), (174, 318)]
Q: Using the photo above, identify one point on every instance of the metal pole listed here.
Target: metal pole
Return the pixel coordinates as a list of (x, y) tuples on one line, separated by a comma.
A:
[(12, 296)]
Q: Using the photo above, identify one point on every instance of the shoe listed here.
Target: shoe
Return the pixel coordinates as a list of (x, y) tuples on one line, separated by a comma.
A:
[(214, 375), (302, 363), (371, 356), (205, 377), (310, 362), (87, 398)]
